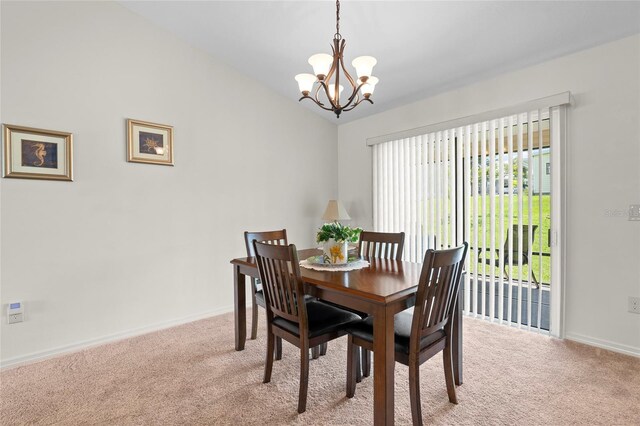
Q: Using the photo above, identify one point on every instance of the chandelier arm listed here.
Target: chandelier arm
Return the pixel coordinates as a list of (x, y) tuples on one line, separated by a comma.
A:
[(332, 70), (358, 103), (354, 87), (357, 100), (320, 104), (326, 91), (344, 69), (355, 95), (337, 62), (315, 96)]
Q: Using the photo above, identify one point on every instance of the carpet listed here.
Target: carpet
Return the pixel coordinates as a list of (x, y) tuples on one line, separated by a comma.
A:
[(192, 375)]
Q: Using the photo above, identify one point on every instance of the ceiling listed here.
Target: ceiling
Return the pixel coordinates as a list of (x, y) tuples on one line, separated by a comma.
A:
[(423, 48)]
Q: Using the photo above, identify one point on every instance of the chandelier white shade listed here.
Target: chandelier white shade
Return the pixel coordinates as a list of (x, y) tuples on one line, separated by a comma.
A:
[(305, 82), (369, 86), (327, 73), (321, 63), (332, 90), (364, 66)]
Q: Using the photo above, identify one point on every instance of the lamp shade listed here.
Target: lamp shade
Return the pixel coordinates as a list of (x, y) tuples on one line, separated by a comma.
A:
[(321, 63), (332, 91), (364, 65), (335, 211), (370, 85), (305, 82)]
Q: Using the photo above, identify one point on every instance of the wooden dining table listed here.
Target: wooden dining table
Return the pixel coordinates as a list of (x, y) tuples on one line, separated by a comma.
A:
[(382, 289)]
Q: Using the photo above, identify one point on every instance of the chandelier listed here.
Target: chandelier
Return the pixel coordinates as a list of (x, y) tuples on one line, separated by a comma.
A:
[(327, 74)]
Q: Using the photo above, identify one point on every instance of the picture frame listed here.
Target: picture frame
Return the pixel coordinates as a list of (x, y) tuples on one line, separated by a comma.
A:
[(149, 143), (31, 153)]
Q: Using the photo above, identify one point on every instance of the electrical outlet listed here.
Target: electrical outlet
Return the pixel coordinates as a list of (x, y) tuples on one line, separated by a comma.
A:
[(634, 305), (14, 318)]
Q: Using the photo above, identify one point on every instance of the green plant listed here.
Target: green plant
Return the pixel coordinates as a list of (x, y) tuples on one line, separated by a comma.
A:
[(338, 232)]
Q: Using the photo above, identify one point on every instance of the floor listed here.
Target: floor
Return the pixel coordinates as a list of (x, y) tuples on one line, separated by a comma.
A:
[(192, 375)]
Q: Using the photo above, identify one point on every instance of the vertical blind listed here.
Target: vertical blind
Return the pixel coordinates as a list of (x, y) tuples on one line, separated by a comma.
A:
[(487, 183)]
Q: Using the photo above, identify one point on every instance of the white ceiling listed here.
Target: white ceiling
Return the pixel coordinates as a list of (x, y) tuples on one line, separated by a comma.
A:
[(423, 48)]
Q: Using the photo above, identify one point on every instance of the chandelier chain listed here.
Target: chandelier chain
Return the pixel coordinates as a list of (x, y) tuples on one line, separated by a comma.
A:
[(337, 35)]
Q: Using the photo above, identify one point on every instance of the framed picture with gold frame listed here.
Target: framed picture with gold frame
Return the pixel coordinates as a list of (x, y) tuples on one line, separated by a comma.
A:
[(150, 143), (31, 153)]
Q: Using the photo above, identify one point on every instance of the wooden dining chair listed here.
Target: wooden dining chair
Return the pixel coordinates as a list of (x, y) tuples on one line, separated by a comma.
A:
[(300, 321), (278, 237), (382, 245), (422, 331)]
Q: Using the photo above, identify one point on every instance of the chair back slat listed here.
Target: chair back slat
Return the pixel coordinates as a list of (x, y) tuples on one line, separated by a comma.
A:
[(279, 271), (384, 245), (437, 290), (278, 237)]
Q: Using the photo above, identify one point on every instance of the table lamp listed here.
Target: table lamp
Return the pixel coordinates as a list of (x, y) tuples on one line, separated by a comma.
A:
[(335, 211)]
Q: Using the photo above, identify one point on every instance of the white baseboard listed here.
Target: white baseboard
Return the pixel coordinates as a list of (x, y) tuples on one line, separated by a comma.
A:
[(604, 344), (110, 338)]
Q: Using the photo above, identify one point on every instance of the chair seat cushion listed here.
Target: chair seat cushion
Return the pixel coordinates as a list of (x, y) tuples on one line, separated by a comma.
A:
[(323, 319), (360, 314), (402, 328), (261, 302)]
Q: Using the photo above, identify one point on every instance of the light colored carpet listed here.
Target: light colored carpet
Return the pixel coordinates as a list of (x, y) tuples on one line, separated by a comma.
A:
[(192, 375)]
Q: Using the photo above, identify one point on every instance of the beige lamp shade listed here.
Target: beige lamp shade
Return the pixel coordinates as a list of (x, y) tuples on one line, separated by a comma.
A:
[(335, 211)]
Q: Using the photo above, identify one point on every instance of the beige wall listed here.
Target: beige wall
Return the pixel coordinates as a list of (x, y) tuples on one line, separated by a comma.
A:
[(129, 247), (603, 174), (132, 247)]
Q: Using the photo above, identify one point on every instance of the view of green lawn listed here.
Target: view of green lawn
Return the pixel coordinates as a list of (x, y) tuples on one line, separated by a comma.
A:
[(541, 235)]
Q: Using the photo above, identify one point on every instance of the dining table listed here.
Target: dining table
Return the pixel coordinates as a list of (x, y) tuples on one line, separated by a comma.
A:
[(382, 289)]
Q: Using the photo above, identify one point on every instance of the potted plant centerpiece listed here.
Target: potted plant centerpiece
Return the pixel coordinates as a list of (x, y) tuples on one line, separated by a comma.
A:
[(335, 239)]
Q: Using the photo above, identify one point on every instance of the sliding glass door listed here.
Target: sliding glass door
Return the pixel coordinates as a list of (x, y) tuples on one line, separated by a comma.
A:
[(490, 183)]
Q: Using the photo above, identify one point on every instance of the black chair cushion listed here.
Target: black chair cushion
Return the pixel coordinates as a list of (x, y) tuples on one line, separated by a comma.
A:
[(360, 314), (323, 319), (402, 328), (261, 302)]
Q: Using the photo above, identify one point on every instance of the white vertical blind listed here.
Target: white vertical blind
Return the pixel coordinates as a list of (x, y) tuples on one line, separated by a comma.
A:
[(467, 215), (475, 190), (542, 169), (492, 218), (481, 222), (520, 208), (483, 183), (501, 224), (529, 234), (510, 216)]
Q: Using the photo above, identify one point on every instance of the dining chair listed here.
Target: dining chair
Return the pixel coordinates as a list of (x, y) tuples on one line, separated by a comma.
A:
[(278, 237), (382, 245), (512, 257), (300, 321), (422, 331)]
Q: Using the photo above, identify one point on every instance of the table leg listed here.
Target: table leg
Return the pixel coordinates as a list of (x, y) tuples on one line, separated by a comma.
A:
[(240, 307), (457, 342), (383, 367)]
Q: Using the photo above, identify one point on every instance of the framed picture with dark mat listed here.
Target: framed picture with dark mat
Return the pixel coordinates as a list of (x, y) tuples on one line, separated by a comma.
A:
[(150, 143), (31, 153)]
